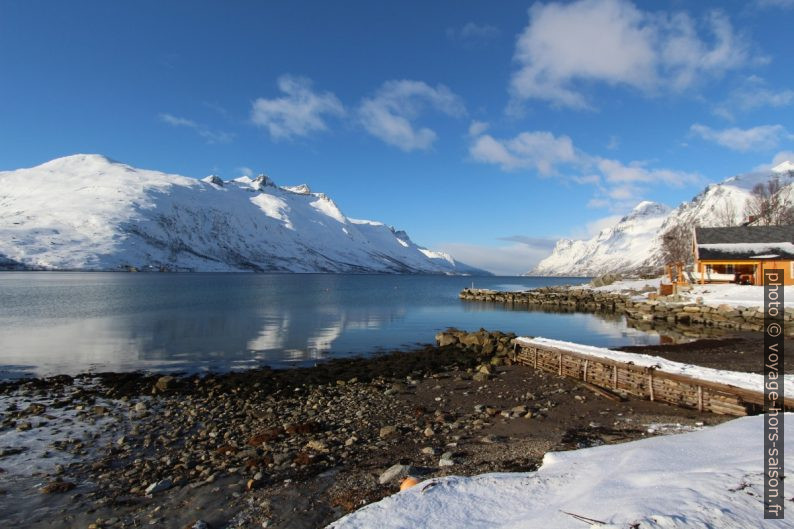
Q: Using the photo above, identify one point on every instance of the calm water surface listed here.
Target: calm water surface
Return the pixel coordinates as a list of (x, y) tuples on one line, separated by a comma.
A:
[(74, 322)]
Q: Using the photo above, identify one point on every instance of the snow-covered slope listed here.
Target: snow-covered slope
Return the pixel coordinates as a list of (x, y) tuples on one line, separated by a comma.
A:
[(86, 212), (626, 244), (634, 242), (698, 480)]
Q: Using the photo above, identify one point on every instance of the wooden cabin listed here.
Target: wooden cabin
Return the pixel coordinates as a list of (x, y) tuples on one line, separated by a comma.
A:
[(740, 254)]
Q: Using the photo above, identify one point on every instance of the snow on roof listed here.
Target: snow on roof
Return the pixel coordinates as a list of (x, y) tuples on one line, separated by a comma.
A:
[(751, 381), (748, 247), (695, 479), (746, 250)]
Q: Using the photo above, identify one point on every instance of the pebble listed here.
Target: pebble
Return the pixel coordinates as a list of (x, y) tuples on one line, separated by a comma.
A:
[(57, 486), (387, 431), (319, 446), (165, 383), (446, 460), (35, 409), (158, 486), (395, 472)]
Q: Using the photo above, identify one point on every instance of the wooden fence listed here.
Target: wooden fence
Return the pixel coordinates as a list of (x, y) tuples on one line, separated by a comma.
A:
[(645, 382)]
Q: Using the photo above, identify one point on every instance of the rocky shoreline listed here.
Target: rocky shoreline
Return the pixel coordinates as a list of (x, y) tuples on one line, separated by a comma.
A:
[(293, 448), (669, 312)]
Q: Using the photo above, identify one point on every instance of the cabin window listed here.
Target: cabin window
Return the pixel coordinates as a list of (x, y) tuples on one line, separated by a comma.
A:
[(729, 269)]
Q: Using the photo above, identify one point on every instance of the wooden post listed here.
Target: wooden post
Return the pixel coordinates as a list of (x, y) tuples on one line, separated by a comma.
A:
[(700, 398), (680, 267), (560, 359), (650, 383), (702, 274), (584, 376), (536, 357), (615, 377)]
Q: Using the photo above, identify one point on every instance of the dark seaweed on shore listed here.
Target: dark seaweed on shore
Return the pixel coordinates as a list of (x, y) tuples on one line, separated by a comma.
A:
[(425, 360)]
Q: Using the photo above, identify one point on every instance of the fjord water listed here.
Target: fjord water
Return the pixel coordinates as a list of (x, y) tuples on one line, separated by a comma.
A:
[(61, 322)]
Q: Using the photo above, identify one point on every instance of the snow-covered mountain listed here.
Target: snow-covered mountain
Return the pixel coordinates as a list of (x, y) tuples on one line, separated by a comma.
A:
[(86, 212), (625, 244), (634, 242)]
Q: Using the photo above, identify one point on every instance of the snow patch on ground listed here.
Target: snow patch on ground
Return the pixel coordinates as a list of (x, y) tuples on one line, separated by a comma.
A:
[(714, 295), (629, 285), (735, 295), (692, 480), (56, 433)]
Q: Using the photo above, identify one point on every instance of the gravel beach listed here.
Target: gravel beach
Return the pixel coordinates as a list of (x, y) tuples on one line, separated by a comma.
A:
[(298, 448)]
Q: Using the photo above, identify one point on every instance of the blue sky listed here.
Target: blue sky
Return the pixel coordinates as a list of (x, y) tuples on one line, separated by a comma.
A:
[(484, 129)]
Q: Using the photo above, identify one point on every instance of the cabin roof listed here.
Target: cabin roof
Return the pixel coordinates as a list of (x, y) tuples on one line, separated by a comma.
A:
[(745, 243)]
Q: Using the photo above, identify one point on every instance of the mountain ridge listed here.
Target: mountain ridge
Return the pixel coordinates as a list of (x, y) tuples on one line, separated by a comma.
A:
[(634, 243), (88, 212)]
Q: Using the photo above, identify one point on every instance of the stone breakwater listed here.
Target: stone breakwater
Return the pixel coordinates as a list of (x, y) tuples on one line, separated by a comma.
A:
[(670, 311), (495, 345)]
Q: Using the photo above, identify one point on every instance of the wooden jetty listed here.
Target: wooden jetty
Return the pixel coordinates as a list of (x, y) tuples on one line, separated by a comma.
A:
[(619, 377)]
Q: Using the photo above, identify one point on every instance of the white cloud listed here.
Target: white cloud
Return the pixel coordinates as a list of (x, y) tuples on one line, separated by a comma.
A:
[(535, 242), (300, 112), (623, 192), (764, 97), (211, 136), (594, 227), (587, 179), (245, 171), (753, 93), (538, 150), (763, 137), (617, 184), (509, 260), (390, 114), (477, 127), (472, 32), (598, 203), (617, 172), (782, 156), (611, 41)]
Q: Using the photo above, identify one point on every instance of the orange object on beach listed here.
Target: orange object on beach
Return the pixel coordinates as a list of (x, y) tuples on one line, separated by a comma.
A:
[(408, 482)]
